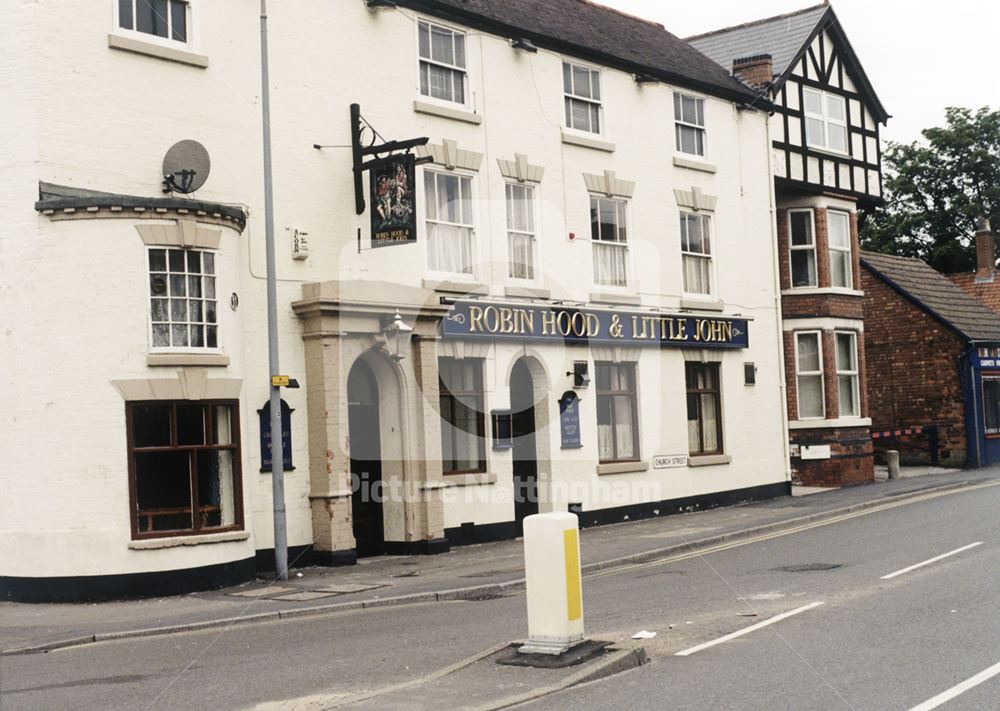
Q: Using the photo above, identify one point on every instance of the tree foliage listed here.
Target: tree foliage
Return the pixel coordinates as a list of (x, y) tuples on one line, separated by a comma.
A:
[(936, 188)]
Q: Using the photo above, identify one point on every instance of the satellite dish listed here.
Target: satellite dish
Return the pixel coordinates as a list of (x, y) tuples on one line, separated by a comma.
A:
[(185, 167)]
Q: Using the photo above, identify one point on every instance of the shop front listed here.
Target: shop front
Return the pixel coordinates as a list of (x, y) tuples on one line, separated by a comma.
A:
[(492, 410)]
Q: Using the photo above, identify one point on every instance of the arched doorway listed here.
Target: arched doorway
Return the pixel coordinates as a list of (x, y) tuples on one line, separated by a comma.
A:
[(522, 405), (366, 461)]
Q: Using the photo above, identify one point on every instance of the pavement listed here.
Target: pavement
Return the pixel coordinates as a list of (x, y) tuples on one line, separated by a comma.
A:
[(478, 572)]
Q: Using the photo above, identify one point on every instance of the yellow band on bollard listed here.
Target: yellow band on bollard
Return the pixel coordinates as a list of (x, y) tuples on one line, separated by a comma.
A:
[(574, 600)]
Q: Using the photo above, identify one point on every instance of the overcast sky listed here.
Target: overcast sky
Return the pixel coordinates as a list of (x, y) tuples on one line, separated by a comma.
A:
[(920, 56)]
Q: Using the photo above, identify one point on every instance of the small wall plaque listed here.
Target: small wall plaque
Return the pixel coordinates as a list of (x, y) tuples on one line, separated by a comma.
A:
[(569, 420)]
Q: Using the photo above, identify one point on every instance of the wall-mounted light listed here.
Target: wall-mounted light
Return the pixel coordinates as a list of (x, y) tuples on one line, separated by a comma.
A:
[(396, 335), (376, 4), (581, 378), (522, 43)]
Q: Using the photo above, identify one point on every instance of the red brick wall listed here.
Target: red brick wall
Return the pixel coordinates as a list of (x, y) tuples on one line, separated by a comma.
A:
[(850, 461), (911, 360), (809, 305)]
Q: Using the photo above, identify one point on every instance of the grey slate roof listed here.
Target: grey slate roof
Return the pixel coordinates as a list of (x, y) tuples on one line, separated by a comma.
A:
[(782, 37), (606, 36), (785, 38), (936, 294)]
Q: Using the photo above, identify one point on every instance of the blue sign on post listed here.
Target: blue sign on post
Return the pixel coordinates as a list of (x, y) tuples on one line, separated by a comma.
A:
[(523, 322), (569, 420), (265, 436)]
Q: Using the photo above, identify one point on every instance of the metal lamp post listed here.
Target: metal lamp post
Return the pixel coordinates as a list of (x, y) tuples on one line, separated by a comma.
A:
[(277, 455)]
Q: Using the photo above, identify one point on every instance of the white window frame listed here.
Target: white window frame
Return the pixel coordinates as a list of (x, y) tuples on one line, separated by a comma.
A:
[(623, 245), (532, 233), (168, 297), (679, 122), (827, 120), (191, 20), (471, 225), (850, 372), (840, 249), (792, 248), (421, 60), (706, 219), (810, 374), (570, 97)]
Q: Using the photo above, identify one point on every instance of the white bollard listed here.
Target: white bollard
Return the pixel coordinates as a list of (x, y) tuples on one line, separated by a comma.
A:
[(892, 462), (553, 583)]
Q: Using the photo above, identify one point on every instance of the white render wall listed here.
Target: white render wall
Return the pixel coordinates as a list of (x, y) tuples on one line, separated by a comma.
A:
[(73, 292)]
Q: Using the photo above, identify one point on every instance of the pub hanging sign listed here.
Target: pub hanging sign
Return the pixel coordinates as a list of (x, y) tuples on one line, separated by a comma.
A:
[(393, 209), (520, 322)]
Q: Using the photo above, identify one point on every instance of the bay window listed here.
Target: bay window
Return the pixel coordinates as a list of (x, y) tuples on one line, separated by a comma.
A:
[(802, 248), (847, 374), (839, 239), (809, 374)]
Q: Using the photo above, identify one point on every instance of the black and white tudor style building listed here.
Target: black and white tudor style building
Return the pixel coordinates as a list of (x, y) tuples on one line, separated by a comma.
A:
[(827, 170)]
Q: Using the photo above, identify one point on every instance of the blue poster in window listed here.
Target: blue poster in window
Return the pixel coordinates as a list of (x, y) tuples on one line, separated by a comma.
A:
[(569, 420), (265, 436)]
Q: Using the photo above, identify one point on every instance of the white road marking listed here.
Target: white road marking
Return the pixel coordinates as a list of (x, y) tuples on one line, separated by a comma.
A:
[(935, 559), (748, 630), (954, 691)]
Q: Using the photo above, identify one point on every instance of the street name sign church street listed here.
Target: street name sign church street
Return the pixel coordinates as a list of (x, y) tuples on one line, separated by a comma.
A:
[(523, 322)]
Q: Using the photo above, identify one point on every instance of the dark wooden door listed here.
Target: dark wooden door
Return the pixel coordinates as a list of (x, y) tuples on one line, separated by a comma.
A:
[(366, 461), (522, 402)]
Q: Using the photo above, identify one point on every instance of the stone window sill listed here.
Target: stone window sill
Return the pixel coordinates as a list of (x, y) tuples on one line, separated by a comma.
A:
[(811, 290), (473, 479), (707, 460), (694, 164), (455, 287), (622, 467), (527, 292), (819, 423), (171, 54), (575, 139), (702, 304), (149, 544), (456, 114), (603, 297), (194, 359)]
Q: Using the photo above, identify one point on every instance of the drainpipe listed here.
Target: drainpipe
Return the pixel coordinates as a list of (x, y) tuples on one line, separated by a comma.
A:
[(776, 269)]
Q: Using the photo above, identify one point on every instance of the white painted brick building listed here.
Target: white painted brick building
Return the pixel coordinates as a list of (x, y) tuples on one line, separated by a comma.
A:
[(134, 321)]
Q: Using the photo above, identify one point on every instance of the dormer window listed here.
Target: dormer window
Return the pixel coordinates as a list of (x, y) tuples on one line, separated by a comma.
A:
[(159, 18), (826, 121)]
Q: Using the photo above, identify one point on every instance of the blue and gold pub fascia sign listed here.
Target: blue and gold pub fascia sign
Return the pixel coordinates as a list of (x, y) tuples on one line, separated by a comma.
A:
[(580, 325)]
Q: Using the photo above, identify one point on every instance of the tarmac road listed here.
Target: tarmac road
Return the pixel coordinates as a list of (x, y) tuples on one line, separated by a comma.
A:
[(873, 643)]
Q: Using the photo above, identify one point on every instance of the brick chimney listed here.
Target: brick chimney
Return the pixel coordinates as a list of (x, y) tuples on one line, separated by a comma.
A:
[(985, 250), (757, 71)]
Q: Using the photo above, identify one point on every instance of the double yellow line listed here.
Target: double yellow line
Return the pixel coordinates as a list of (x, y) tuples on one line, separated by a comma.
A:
[(788, 531)]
